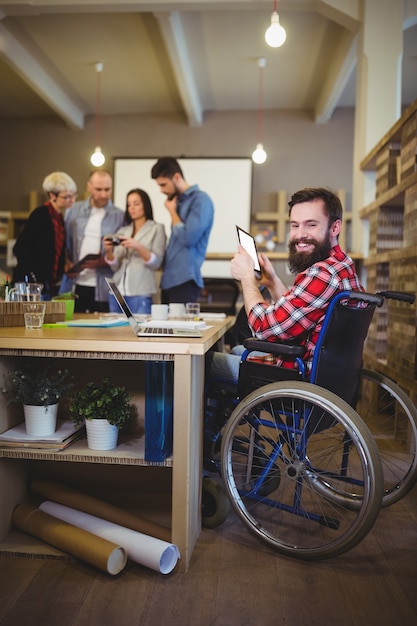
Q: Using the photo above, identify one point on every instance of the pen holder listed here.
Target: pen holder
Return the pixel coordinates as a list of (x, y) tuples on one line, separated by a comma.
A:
[(12, 314)]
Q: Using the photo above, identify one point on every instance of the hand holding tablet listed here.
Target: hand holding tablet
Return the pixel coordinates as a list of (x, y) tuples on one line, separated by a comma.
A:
[(78, 267), (248, 243)]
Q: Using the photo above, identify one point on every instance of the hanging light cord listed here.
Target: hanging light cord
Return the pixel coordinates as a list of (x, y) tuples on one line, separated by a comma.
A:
[(260, 102), (98, 103)]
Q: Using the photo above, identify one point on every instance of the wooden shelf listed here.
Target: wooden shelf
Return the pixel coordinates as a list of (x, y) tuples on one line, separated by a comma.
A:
[(392, 255), (394, 134), (130, 451), (83, 350), (393, 197), (391, 344)]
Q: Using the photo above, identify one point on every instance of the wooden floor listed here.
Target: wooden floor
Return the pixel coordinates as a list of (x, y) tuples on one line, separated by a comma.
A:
[(233, 581)]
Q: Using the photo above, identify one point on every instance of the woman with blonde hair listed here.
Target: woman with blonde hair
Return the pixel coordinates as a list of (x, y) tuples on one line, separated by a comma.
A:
[(40, 247)]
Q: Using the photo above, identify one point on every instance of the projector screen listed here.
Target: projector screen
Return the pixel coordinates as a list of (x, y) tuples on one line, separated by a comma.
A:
[(227, 181)]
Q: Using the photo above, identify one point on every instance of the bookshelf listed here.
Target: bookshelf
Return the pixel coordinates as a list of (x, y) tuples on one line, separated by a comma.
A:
[(391, 347)]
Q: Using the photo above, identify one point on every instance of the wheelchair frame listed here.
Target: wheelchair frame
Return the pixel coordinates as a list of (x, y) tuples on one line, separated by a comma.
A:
[(294, 451)]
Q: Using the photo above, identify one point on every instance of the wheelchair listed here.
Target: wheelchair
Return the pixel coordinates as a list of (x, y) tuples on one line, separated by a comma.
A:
[(304, 470)]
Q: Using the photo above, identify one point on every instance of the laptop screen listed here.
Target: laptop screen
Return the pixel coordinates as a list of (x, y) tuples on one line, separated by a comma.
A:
[(121, 301)]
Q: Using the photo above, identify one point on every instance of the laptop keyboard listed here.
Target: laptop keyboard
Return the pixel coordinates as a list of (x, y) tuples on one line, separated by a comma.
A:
[(157, 331)]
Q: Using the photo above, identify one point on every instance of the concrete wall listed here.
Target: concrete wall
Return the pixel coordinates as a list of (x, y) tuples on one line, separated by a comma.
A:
[(300, 152)]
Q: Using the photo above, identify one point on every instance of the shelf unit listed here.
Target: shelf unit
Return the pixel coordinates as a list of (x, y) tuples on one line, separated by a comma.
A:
[(91, 354), (391, 347)]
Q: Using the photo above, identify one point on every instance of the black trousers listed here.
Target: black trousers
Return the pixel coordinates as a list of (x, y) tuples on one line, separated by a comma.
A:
[(86, 303), (186, 292)]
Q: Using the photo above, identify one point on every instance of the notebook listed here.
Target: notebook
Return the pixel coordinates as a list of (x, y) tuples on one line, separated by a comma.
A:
[(155, 328)]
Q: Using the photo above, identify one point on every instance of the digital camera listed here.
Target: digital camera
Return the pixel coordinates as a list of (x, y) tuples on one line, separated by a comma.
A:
[(114, 240)]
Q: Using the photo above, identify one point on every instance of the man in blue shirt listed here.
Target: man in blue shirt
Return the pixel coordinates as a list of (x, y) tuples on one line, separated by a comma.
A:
[(192, 214)]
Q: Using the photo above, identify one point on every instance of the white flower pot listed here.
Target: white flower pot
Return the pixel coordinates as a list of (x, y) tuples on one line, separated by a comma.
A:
[(40, 421), (101, 435)]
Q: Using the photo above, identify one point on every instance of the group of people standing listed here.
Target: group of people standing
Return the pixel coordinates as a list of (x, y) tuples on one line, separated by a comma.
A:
[(74, 246)]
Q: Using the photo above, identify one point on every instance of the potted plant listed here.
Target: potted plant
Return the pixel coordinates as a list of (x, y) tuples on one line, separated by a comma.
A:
[(105, 408), (69, 298), (40, 391)]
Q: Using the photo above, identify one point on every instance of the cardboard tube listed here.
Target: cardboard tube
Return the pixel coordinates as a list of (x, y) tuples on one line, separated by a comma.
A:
[(84, 545), (154, 553), (88, 504)]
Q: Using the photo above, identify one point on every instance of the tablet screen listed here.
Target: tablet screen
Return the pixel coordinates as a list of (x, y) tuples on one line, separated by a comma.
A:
[(248, 242)]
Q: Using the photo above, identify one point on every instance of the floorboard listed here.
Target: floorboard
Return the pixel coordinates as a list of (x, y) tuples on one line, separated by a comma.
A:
[(233, 581)]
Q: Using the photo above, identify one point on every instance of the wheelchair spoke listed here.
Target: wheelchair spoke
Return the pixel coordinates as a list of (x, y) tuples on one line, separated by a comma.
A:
[(392, 419), (302, 470)]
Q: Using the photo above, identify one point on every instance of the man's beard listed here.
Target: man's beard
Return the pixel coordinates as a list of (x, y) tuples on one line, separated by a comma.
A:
[(300, 261), (175, 193)]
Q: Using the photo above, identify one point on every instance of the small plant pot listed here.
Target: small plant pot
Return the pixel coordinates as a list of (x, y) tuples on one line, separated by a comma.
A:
[(101, 435), (69, 306), (40, 421)]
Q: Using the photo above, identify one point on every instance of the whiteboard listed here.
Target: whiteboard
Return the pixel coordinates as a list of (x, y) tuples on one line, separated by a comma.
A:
[(227, 181)]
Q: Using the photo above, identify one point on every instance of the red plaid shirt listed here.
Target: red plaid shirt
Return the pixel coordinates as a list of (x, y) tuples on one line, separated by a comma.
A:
[(300, 312)]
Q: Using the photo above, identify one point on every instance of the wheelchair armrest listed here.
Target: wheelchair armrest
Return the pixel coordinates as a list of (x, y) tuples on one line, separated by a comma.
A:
[(276, 348)]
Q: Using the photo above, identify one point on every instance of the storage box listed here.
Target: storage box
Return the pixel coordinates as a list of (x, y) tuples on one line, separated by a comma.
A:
[(11, 313)]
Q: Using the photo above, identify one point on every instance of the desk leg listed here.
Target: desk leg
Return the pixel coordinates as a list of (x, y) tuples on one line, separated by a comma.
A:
[(187, 466)]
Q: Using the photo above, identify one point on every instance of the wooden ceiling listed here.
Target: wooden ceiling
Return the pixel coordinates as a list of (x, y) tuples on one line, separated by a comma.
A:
[(193, 57)]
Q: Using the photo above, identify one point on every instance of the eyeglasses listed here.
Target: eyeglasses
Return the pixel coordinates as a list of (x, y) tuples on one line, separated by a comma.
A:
[(68, 197)]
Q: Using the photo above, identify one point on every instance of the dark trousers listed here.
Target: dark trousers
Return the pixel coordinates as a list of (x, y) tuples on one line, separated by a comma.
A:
[(85, 303), (186, 292)]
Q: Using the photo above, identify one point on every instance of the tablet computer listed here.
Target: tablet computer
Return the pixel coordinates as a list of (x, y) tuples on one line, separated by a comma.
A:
[(248, 243), (75, 269)]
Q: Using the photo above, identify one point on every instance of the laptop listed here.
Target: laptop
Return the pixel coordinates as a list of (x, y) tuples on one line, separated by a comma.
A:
[(157, 328)]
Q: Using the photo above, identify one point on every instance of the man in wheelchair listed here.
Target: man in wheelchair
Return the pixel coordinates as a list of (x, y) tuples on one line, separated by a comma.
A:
[(295, 314)]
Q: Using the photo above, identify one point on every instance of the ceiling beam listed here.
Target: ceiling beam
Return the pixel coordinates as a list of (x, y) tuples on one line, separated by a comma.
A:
[(176, 43), (346, 13), (340, 70), (34, 74)]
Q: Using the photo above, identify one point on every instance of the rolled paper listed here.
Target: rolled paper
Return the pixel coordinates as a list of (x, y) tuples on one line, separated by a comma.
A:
[(101, 553), (88, 504), (153, 553)]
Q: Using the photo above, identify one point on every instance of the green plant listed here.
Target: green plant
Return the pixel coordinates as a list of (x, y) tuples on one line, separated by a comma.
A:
[(38, 387), (101, 401), (68, 295)]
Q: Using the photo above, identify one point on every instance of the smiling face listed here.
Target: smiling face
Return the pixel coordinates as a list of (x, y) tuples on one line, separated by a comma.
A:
[(311, 237)]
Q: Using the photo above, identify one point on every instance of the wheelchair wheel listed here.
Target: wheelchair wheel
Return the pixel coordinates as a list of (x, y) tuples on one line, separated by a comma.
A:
[(329, 489), (392, 419)]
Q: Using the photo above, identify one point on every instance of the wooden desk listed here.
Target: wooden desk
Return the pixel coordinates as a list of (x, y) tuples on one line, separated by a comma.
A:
[(110, 346)]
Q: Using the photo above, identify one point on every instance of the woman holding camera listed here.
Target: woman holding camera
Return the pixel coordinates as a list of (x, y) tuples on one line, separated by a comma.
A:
[(135, 252)]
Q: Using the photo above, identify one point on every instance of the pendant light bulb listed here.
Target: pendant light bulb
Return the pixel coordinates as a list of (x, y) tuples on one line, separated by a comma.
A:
[(259, 154), (97, 158), (275, 35)]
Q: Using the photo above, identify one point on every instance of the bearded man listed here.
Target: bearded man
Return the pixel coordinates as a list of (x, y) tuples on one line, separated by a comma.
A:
[(321, 267)]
